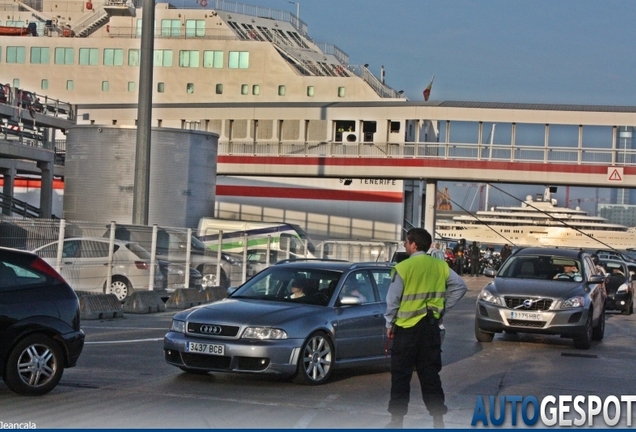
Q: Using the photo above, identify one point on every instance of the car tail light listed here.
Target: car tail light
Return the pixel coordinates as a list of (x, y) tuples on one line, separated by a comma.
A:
[(41, 265), (141, 265)]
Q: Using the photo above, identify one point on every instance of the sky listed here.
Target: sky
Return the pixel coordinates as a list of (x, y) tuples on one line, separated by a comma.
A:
[(539, 51)]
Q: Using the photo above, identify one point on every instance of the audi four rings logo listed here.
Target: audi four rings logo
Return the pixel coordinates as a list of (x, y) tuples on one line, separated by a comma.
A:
[(210, 329)]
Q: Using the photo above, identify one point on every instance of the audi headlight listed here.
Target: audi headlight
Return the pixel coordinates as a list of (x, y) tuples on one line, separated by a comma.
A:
[(489, 297), (178, 326), (264, 333), (574, 302), (622, 289)]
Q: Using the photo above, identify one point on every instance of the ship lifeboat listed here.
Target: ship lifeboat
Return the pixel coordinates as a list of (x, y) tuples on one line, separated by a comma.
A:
[(13, 31)]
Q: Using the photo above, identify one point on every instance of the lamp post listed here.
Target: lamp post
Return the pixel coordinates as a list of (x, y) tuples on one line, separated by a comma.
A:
[(297, 8)]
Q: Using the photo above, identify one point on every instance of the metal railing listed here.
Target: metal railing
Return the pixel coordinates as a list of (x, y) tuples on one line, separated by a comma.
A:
[(468, 151)]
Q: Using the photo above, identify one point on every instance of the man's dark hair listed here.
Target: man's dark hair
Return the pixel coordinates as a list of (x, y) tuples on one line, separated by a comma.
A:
[(420, 237)]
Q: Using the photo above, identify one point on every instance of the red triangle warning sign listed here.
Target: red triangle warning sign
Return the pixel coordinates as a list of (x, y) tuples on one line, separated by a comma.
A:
[(615, 176)]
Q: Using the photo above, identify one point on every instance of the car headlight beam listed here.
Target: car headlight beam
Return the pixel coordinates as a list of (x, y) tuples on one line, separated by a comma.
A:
[(622, 289), (574, 302), (489, 297), (264, 333), (178, 326)]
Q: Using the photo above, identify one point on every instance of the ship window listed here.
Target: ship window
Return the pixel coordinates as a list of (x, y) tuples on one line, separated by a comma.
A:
[(189, 58), (213, 59), (190, 88), (11, 23), (113, 57), (40, 55), (133, 57), (310, 91), (16, 54), (195, 28), (161, 87), (281, 90), (245, 89), (238, 60), (88, 56), (219, 89), (395, 127), (44, 84), (170, 27), (70, 85), (131, 86), (105, 86), (16, 82), (64, 56), (341, 92), (256, 89), (163, 58)]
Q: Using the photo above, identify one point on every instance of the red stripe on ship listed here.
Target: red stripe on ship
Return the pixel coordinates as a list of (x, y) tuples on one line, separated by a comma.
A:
[(312, 194), (33, 183)]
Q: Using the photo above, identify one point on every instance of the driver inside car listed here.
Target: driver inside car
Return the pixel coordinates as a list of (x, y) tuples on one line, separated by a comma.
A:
[(570, 271)]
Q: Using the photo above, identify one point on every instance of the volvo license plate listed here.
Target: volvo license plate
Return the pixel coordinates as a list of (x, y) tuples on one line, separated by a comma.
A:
[(205, 348), (528, 316)]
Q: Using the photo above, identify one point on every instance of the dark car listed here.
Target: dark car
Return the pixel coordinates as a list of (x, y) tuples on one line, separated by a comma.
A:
[(262, 328), (541, 290), (29, 100), (39, 324), (619, 285), (5, 90)]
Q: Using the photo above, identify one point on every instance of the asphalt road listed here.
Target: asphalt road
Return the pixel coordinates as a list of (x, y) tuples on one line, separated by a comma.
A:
[(122, 381)]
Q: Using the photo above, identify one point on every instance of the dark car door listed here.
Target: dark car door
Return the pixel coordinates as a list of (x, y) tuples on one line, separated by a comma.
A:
[(360, 328)]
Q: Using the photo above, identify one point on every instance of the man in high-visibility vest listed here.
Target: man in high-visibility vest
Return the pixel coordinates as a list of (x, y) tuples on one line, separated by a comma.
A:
[(421, 290)]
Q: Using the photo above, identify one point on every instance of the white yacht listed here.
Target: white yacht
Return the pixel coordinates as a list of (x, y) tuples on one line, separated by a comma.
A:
[(538, 222)]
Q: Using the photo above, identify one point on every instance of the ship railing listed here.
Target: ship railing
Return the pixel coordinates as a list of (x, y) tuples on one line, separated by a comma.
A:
[(466, 151), (331, 49), (134, 33), (378, 86)]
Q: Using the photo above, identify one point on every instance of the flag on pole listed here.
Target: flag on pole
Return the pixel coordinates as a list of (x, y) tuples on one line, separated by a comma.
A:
[(427, 90)]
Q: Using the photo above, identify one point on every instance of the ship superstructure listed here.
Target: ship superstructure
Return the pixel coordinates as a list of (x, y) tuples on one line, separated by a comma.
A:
[(537, 222)]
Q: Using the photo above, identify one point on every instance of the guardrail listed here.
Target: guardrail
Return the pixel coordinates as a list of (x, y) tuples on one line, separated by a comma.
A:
[(508, 153)]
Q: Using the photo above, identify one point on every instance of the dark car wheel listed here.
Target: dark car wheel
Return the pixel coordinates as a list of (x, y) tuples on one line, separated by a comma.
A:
[(120, 287), (482, 336), (35, 366), (584, 340), (209, 278), (316, 360), (599, 330)]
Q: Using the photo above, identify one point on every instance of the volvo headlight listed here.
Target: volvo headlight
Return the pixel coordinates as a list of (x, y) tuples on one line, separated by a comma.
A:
[(489, 297), (574, 302), (178, 326), (264, 333), (622, 289)]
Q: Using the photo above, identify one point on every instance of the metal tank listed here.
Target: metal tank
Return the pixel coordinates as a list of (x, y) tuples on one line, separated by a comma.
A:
[(99, 175)]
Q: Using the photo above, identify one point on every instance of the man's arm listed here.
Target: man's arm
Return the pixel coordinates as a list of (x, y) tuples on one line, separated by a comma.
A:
[(455, 289), (393, 299)]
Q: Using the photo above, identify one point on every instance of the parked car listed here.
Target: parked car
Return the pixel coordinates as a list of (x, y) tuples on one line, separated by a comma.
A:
[(260, 329), (5, 91), (619, 285), (525, 297), (84, 265), (614, 255), (29, 100), (40, 331), (174, 276), (171, 246)]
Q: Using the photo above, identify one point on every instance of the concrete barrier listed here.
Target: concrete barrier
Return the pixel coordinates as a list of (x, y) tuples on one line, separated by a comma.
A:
[(183, 298), (142, 302), (215, 293), (99, 306)]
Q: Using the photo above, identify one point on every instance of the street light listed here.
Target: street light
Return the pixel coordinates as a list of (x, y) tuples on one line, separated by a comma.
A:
[(297, 8)]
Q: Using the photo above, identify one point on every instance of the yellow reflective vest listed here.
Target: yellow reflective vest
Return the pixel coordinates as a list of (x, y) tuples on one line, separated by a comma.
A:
[(424, 288)]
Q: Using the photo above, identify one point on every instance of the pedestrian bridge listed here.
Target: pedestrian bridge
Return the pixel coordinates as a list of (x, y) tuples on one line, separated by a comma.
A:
[(539, 164)]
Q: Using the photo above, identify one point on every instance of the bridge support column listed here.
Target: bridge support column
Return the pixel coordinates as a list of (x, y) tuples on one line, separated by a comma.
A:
[(9, 175), (46, 190), (430, 207)]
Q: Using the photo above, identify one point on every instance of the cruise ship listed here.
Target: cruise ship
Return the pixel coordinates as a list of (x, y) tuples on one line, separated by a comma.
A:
[(243, 72), (537, 222)]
